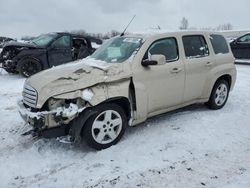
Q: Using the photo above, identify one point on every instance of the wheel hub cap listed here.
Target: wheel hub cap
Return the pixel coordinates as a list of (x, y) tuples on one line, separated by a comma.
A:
[(221, 95), (106, 127)]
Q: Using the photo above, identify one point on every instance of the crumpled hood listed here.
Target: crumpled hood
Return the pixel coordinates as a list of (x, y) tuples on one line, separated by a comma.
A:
[(20, 44), (75, 76)]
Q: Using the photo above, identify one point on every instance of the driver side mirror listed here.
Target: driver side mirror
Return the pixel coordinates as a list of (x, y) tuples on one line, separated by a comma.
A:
[(236, 41), (154, 60)]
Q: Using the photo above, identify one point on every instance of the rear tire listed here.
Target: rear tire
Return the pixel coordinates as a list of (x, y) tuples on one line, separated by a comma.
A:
[(106, 127), (219, 95), (29, 66)]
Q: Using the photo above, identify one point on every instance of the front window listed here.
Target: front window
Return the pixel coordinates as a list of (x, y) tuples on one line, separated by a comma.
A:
[(245, 38), (44, 40), (118, 49), (62, 42), (167, 47)]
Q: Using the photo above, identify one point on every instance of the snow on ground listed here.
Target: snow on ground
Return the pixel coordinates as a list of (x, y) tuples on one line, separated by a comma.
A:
[(191, 147)]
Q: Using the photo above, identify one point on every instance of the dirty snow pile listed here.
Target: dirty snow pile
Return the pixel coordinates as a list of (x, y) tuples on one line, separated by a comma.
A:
[(191, 147)]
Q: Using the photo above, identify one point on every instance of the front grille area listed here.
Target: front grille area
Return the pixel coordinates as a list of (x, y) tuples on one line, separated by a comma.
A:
[(29, 96)]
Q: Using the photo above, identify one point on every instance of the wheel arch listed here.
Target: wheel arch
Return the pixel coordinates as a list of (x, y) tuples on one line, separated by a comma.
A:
[(28, 57), (78, 124), (227, 78), (123, 102)]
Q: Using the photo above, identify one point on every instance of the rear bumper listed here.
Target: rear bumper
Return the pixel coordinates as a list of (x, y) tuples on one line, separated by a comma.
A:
[(1, 61), (234, 77), (242, 61)]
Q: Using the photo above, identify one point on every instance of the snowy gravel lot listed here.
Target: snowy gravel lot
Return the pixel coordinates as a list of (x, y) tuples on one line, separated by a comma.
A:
[(191, 147)]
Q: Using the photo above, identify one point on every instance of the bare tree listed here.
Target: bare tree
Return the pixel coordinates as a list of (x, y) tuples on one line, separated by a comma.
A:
[(207, 28), (184, 24), (114, 33), (27, 38), (79, 32), (223, 27)]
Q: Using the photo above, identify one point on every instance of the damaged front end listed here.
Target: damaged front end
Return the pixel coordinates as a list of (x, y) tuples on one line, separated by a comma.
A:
[(12, 54), (55, 117), (59, 101), (8, 58)]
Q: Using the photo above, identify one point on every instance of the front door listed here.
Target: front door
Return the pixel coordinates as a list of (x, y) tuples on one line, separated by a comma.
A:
[(60, 51), (164, 84), (241, 47)]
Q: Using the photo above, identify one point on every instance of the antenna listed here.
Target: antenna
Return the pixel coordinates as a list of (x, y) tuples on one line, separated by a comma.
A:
[(127, 26)]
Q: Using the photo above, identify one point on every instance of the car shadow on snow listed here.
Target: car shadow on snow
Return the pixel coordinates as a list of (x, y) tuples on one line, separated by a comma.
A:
[(45, 146), (167, 118)]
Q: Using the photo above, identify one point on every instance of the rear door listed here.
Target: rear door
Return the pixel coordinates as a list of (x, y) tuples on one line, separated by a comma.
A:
[(60, 51), (198, 64)]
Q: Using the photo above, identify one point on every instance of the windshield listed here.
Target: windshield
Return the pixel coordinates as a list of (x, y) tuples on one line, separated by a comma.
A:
[(118, 49), (44, 40)]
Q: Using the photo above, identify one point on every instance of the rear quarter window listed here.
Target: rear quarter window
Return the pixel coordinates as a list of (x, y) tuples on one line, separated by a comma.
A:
[(219, 44)]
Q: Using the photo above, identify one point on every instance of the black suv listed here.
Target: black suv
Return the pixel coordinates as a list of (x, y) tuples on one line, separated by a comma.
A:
[(45, 51), (241, 47)]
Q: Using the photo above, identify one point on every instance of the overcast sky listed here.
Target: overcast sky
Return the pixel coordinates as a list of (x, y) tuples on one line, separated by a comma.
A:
[(32, 17)]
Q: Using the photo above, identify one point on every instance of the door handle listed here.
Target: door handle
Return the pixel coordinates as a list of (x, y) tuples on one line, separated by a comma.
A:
[(176, 70), (209, 64)]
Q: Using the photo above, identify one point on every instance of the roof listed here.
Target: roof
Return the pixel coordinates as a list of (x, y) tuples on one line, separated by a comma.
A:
[(155, 33), (92, 39)]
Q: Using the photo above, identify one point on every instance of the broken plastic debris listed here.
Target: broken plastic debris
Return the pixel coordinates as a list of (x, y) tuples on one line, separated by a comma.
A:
[(87, 94)]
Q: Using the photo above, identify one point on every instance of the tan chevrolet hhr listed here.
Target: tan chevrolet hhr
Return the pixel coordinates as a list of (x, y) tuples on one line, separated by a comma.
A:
[(127, 80)]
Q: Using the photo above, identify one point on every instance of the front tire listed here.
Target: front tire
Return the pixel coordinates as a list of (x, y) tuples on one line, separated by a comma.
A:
[(11, 71), (106, 127), (29, 66), (219, 95)]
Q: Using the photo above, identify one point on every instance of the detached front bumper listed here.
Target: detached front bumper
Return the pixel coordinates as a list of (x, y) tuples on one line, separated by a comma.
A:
[(50, 124), (35, 119)]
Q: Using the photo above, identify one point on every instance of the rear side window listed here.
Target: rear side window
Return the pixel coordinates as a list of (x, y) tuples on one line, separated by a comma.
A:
[(219, 44), (195, 46), (167, 47)]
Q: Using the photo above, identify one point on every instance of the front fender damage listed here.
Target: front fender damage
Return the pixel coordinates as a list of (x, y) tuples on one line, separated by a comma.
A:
[(95, 95), (92, 95), (80, 92)]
